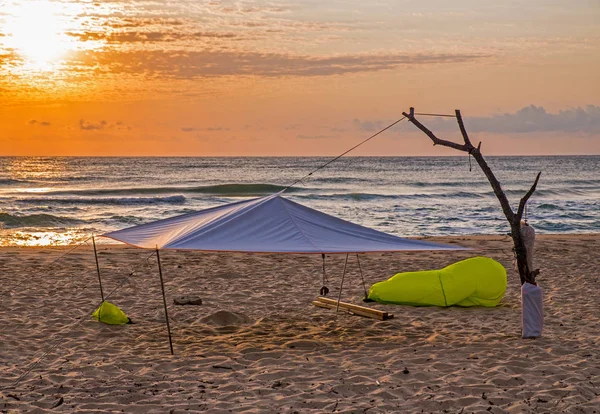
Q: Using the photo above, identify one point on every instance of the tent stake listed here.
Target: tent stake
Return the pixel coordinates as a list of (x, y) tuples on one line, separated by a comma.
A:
[(162, 286), (98, 268), (337, 309)]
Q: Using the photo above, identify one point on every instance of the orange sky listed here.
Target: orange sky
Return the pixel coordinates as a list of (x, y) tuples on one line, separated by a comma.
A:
[(293, 77)]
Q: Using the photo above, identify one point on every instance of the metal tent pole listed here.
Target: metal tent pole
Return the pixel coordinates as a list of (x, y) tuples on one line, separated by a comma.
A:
[(98, 268), (337, 309), (162, 286)]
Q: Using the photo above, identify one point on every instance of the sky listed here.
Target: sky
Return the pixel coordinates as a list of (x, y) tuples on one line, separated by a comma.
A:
[(297, 77)]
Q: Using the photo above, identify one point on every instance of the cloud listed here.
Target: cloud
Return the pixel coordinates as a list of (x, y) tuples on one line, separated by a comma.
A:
[(35, 122), (206, 63), (525, 120), (536, 119), (240, 9), (209, 129), (101, 125), (314, 136), (148, 36), (8, 57), (370, 126), (88, 126), (129, 22), (338, 129)]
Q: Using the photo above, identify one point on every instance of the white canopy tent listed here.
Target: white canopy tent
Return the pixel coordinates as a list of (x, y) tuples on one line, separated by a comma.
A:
[(271, 224)]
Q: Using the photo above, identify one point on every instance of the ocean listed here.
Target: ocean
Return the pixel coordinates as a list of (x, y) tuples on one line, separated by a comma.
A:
[(63, 200)]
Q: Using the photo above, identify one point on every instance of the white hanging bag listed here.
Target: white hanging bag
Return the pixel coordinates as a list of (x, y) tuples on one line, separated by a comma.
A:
[(532, 300)]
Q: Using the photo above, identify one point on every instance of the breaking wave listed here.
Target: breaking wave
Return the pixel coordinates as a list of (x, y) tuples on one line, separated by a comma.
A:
[(370, 196), (222, 190), (9, 181), (124, 201), (36, 220)]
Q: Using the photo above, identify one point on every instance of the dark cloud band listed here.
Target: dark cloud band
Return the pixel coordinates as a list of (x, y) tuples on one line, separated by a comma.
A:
[(190, 65), (528, 119)]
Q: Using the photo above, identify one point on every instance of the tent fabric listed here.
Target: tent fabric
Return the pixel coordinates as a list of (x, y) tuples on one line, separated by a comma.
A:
[(271, 224), (478, 281)]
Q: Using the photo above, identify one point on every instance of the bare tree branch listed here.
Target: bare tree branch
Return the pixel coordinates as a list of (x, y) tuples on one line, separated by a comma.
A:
[(504, 203), (436, 140), (463, 131), (514, 220), (526, 198), (468, 147)]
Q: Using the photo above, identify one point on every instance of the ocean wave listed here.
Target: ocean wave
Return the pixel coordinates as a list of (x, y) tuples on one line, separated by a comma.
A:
[(453, 194), (556, 192), (127, 220), (36, 220), (372, 196), (239, 190), (343, 180), (125, 201), (10, 181), (547, 206), (362, 196), (345, 196), (586, 182), (451, 184)]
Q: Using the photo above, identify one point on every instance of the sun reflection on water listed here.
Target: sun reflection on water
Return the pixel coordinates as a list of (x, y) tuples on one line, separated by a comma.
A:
[(41, 238), (49, 237), (33, 170), (36, 168)]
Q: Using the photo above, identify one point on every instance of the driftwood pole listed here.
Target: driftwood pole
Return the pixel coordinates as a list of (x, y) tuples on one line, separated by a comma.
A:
[(514, 219), (98, 268), (337, 309), (162, 286)]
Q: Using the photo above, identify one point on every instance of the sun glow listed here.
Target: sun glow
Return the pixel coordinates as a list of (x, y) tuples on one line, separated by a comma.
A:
[(38, 32)]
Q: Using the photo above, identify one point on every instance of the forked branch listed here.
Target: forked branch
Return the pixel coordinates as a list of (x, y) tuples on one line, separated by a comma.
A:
[(513, 219), (463, 131), (526, 198), (436, 140), (475, 152)]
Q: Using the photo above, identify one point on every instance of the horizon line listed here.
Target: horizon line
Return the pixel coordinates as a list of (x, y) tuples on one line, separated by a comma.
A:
[(292, 156)]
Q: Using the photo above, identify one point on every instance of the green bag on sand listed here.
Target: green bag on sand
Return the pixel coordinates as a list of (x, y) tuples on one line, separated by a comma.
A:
[(110, 314), (479, 281)]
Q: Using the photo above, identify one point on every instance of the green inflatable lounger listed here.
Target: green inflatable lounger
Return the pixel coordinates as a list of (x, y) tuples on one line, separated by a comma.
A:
[(479, 281)]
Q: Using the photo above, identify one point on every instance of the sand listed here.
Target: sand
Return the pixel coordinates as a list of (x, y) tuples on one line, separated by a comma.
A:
[(256, 344)]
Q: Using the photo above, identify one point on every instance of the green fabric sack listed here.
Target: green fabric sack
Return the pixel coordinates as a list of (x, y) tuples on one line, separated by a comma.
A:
[(479, 281), (110, 314)]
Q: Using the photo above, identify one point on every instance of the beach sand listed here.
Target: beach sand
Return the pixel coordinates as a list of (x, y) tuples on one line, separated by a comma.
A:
[(257, 344)]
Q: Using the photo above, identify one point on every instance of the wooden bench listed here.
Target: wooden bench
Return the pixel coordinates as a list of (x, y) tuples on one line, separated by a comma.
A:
[(327, 303)]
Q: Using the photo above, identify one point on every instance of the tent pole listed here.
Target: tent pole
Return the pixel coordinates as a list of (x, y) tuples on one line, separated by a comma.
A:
[(337, 309), (98, 268), (162, 286), (362, 277)]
